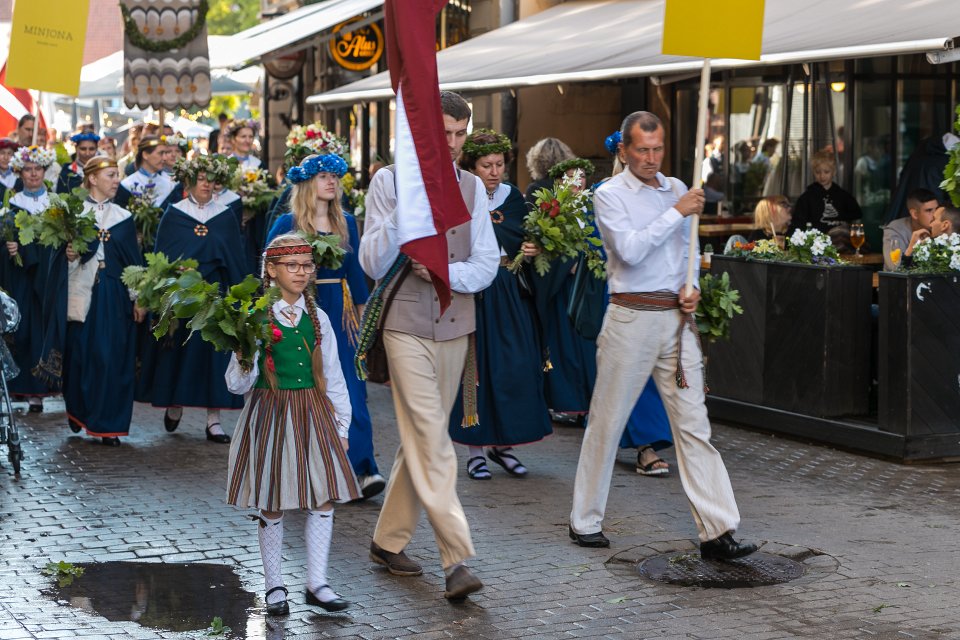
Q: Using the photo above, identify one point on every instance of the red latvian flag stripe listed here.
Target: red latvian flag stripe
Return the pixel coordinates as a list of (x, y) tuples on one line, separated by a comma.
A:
[(428, 196)]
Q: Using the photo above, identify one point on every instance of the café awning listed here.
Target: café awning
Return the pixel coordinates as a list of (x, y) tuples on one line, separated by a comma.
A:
[(285, 32), (584, 41)]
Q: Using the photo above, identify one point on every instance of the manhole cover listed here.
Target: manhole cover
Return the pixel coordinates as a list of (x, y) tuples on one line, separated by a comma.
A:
[(688, 570)]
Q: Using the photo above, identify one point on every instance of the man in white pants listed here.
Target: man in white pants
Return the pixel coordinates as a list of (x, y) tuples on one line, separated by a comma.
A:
[(649, 330)]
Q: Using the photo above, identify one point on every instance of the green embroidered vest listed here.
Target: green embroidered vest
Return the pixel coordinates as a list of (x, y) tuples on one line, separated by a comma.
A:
[(292, 356)]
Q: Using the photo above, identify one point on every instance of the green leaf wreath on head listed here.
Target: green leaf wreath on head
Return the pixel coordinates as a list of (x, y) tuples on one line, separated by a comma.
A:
[(560, 169)]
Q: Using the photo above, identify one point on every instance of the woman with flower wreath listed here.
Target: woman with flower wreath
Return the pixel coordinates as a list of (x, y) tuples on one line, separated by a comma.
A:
[(101, 340), (24, 274), (510, 400), (573, 358), (242, 133), (190, 374), (150, 180), (71, 175), (341, 293)]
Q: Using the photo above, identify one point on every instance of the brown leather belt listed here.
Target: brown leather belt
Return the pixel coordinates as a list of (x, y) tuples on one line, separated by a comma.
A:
[(647, 301)]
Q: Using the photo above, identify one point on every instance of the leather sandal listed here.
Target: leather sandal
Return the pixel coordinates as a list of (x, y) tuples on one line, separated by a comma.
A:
[(478, 471), (651, 468), (501, 456)]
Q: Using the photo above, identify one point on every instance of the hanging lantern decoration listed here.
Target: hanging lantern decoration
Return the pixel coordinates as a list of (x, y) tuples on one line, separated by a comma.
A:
[(166, 64)]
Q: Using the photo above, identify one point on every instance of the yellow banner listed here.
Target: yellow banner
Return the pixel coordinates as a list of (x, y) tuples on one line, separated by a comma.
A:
[(713, 29), (46, 45)]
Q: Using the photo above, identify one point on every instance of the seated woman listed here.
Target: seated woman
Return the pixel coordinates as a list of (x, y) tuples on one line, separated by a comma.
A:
[(771, 219)]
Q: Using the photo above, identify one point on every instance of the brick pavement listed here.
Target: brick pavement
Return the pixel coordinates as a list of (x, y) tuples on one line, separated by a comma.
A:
[(877, 540)]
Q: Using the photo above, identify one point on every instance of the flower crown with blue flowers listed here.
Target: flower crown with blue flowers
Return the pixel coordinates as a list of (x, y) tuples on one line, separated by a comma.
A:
[(612, 141), (84, 137), (313, 165)]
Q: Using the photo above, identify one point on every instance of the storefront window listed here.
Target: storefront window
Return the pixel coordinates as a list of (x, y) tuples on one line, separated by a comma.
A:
[(872, 174), (924, 112), (756, 145)]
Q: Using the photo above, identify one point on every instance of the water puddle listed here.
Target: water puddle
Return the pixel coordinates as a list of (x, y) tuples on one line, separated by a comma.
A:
[(173, 597)]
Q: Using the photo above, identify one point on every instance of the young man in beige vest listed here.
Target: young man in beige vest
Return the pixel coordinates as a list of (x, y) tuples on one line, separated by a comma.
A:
[(427, 352)]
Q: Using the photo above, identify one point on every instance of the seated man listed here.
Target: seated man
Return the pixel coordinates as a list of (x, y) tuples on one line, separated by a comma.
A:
[(946, 220), (898, 234)]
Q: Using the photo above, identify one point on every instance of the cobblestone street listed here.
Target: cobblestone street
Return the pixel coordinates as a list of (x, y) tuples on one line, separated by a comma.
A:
[(874, 538)]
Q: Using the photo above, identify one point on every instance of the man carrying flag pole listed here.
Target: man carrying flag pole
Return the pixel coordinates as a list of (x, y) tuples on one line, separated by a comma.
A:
[(425, 213)]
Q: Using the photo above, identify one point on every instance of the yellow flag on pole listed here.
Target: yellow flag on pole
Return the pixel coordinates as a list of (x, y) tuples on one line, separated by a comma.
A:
[(713, 28), (46, 45)]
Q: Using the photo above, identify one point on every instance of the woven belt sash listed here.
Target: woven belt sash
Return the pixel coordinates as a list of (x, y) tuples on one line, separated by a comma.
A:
[(664, 301)]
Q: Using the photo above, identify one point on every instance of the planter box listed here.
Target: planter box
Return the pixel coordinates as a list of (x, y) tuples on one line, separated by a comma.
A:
[(919, 365), (803, 342)]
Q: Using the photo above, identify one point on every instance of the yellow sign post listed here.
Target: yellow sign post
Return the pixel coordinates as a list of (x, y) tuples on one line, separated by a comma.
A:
[(46, 45), (710, 29)]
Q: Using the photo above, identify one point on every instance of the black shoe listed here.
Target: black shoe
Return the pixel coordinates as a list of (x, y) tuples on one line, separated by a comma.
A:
[(725, 548), (597, 539), (74, 426), (220, 438), (333, 605), (461, 583), (278, 608), (110, 442), (35, 408), (169, 423), (371, 485)]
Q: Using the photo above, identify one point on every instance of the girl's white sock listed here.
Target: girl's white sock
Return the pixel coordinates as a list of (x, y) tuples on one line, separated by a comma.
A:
[(319, 531), (270, 534)]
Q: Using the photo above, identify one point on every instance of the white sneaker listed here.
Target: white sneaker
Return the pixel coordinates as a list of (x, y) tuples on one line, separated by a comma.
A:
[(371, 485)]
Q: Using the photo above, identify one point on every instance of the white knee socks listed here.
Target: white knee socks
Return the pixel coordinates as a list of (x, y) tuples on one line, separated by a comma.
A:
[(319, 531), (270, 533)]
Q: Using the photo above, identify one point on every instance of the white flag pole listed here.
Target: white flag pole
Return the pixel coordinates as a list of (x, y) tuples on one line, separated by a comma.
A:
[(697, 172), (36, 118)]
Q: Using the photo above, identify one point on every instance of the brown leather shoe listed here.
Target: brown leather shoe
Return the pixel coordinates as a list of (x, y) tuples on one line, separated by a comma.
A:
[(399, 564), (461, 583)]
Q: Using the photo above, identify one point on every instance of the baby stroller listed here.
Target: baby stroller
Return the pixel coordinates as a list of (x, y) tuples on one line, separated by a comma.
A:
[(9, 320)]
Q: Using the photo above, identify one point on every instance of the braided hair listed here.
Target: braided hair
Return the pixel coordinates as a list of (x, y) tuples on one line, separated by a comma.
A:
[(316, 353)]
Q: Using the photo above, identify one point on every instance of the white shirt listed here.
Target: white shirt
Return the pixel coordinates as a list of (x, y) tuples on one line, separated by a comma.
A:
[(248, 163), (137, 180), (240, 383), (202, 213), (31, 204), (227, 197), (379, 248), (644, 235), (9, 179)]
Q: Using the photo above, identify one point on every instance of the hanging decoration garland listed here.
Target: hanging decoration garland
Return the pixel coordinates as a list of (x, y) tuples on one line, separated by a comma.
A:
[(139, 39)]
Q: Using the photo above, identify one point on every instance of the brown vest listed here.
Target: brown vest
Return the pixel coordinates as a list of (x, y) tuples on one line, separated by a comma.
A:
[(416, 308)]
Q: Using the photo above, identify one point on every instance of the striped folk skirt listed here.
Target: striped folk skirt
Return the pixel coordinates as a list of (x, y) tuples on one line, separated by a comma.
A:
[(286, 453)]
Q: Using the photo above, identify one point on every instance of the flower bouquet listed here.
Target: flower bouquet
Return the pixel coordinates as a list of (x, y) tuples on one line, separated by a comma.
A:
[(146, 216), (317, 138), (937, 255), (63, 221), (759, 250), (327, 250), (562, 226), (149, 283), (253, 187), (8, 227), (236, 322)]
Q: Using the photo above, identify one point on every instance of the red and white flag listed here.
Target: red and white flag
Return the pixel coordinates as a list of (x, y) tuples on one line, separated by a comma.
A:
[(428, 196), (14, 104)]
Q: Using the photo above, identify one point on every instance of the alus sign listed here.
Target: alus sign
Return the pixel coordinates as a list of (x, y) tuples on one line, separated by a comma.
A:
[(356, 49)]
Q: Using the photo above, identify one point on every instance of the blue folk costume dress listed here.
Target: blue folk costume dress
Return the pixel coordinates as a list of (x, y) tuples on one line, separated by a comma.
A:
[(338, 291), (286, 451), (71, 177), (191, 374), (100, 353), (7, 180), (511, 406), (27, 285), (166, 190)]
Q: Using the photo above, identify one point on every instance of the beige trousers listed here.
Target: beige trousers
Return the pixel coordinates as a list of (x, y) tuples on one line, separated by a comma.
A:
[(425, 378), (632, 346)]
